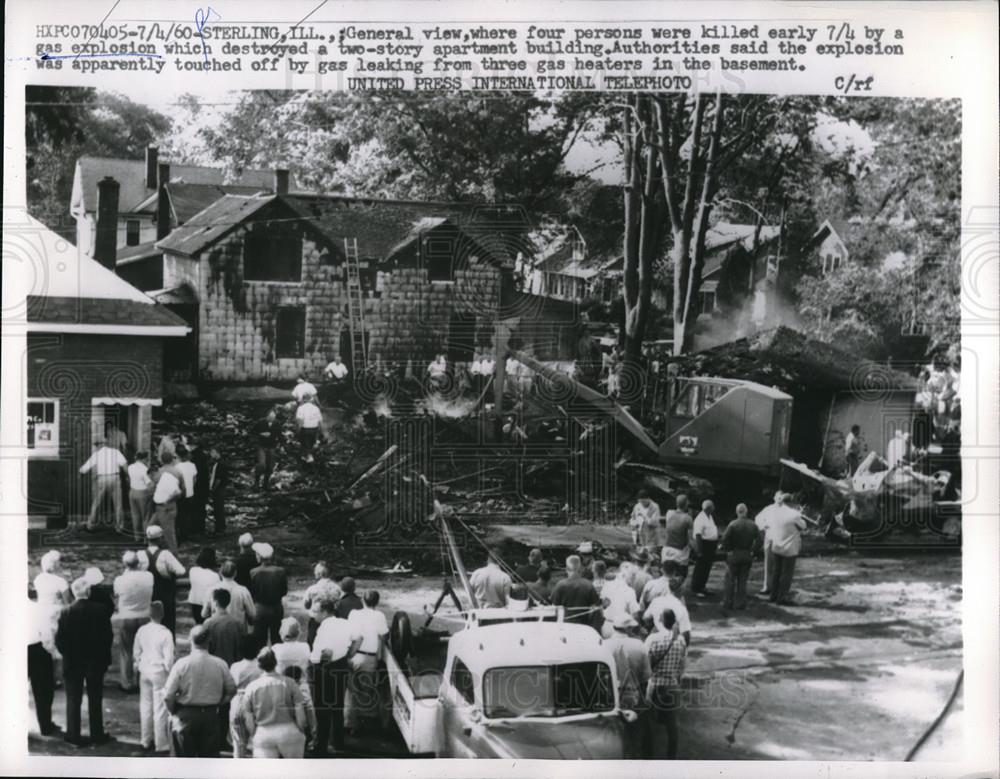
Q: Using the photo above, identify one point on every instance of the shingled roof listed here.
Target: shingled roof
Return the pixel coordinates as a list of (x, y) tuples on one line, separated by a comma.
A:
[(186, 200), (79, 291), (131, 178), (381, 227)]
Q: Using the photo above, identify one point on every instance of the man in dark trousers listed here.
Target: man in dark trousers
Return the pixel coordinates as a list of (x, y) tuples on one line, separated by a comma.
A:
[(84, 639), (41, 666), (336, 642), (196, 687), (218, 484), (269, 586), (246, 560), (741, 541), (199, 506), (166, 570), (267, 433)]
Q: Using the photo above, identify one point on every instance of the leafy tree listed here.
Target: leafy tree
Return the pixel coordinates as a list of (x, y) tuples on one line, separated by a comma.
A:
[(63, 123)]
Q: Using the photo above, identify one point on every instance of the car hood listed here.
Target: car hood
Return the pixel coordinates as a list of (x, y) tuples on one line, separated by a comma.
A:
[(600, 738)]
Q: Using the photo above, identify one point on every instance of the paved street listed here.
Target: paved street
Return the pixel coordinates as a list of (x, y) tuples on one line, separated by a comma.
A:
[(856, 670)]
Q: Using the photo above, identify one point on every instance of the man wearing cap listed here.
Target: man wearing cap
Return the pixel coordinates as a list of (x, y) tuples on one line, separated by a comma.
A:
[(337, 641), (706, 539), (196, 687), (108, 465), (634, 672), (246, 560), (99, 591), (166, 569), (84, 640), (490, 584), (645, 522), (166, 494), (269, 586), (133, 590)]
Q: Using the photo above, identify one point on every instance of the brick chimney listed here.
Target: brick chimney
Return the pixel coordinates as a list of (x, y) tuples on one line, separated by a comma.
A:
[(162, 202), (152, 157), (106, 235), (280, 181)]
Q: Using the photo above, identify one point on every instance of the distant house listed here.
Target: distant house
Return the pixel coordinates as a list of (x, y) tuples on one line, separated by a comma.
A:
[(563, 270), (139, 182), (830, 244), (95, 348), (738, 258)]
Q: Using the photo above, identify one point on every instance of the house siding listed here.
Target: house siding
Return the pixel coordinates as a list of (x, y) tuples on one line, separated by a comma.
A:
[(237, 318), (74, 369)]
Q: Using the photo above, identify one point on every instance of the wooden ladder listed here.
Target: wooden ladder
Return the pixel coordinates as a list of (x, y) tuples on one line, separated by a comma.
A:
[(355, 306)]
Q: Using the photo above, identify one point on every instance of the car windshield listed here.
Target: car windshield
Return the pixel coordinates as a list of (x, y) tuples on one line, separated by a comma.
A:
[(548, 690)]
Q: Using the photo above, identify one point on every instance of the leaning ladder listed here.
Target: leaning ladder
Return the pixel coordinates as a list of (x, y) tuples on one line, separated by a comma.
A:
[(355, 306)]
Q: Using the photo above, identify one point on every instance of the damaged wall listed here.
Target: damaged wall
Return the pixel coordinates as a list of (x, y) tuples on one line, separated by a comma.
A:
[(238, 319)]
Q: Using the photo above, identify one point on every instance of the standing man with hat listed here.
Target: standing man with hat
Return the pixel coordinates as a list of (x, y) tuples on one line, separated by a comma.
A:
[(196, 687), (84, 640), (785, 531), (166, 569), (269, 586)]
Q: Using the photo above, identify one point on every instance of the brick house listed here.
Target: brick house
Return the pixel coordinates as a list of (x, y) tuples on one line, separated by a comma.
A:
[(94, 354), (265, 277)]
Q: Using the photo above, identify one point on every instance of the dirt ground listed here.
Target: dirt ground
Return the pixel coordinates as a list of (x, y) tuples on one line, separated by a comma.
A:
[(856, 669)]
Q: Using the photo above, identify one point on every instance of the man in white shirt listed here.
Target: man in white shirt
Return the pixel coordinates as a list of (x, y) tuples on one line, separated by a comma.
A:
[(363, 699), (107, 463), (670, 601), (763, 521), (186, 507), (618, 596), (309, 419), (335, 373), (140, 494), (154, 656), (337, 641), (167, 492), (437, 372), (491, 585), (897, 449), (133, 592), (785, 533), (303, 390), (706, 539)]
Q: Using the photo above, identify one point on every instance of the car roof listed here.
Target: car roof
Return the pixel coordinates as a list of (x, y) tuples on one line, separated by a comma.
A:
[(529, 643)]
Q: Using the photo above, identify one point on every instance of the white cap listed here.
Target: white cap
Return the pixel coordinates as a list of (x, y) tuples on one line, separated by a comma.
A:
[(154, 531), (245, 540), (80, 587), (130, 558), (264, 551), (93, 575)]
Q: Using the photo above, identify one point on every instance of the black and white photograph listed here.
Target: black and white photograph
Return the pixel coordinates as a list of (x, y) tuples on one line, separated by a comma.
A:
[(500, 424)]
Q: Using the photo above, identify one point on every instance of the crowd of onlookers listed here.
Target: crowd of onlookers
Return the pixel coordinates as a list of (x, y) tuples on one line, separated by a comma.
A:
[(638, 605), (255, 682)]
